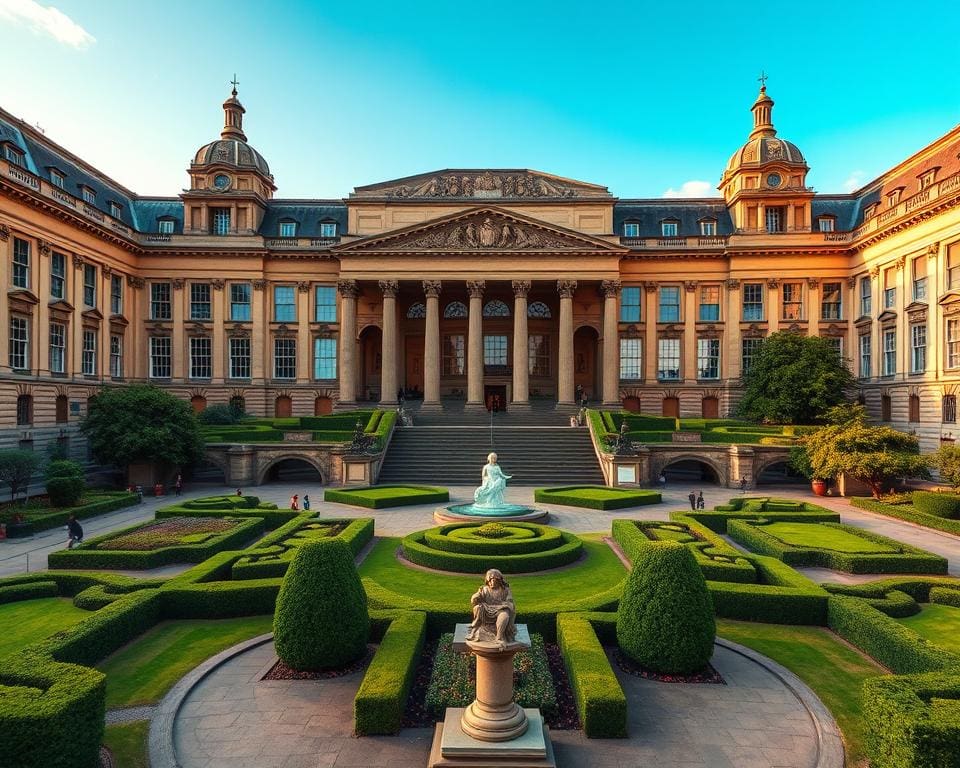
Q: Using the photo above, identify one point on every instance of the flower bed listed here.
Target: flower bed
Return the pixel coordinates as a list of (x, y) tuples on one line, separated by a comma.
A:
[(38, 515), (386, 496), (596, 497)]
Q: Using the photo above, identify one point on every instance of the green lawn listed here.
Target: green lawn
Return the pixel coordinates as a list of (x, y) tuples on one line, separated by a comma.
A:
[(394, 491), (598, 571), (27, 621), (833, 669), (940, 624), (144, 670), (384, 496), (128, 743), (596, 496), (823, 537)]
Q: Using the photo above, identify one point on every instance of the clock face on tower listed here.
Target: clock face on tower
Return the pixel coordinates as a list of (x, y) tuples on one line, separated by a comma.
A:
[(221, 181), (773, 180)]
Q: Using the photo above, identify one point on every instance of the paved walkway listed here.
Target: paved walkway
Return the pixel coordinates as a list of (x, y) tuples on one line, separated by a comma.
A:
[(762, 718)]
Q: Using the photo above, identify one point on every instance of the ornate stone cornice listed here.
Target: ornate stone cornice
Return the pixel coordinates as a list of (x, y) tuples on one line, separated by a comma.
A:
[(390, 288), (566, 288), (773, 283), (4, 232), (520, 288), (732, 284), (431, 288), (475, 288), (483, 184), (874, 272), (135, 282), (933, 249), (348, 288), (899, 263), (650, 286), (77, 261), (851, 282), (610, 288)]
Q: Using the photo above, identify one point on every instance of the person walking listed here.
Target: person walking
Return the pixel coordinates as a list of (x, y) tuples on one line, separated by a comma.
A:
[(295, 502), (178, 486), (743, 484), (693, 500), (306, 502), (74, 530), (700, 502)]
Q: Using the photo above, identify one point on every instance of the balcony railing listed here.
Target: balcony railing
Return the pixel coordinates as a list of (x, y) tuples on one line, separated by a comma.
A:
[(705, 241)]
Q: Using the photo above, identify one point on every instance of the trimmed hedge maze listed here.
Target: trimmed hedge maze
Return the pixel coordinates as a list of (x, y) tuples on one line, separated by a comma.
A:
[(644, 428), (385, 496), (335, 428), (512, 547), (596, 497)]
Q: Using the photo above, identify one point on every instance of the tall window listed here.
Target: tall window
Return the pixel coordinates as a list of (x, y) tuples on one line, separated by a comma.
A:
[(19, 343), (889, 352), (116, 295), (538, 348), (200, 357), (324, 358), (89, 196), (918, 348), (284, 304), (668, 359), (708, 228), (14, 156), (221, 221), (90, 285), (200, 301), (669, 304), (950, 408), (953, 265), (830, 306), (240, 301), (631, 359), (165, 226), (284, 358), (159, 357), (630, 305), (886, 407), (454, 355), (748, 353), (913, 409), (865, 355), (708, 358), (866, 296), (919, 267), (116, 356), (160, 308), (890, 297), (668, 228), (58, 346), (792, 301), (709, 303), (21, 263), (774, 219), (326, 309), (288, 229), (953, 343), (495, 350), (826, 223), (58, 276), (89, 352), (24, 410), (239, 351), (752, 302), (631, 229)]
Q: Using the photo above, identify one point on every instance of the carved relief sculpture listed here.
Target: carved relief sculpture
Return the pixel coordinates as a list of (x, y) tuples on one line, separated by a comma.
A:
[(521, 288), (488, 184), (610, 288), (566, 288), (431, 288), (486, 231)]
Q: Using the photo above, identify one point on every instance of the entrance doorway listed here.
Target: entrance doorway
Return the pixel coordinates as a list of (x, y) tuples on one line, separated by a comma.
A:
[(495, 396), (585, 342), (671, 407), (370, 346), (413, 378), (710, 408)]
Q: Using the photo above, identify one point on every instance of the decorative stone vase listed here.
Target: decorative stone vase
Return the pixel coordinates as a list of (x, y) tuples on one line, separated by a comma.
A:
[(819, 487)]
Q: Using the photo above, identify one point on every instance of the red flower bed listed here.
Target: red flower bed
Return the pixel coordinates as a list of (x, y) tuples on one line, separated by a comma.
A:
[(171, 532)]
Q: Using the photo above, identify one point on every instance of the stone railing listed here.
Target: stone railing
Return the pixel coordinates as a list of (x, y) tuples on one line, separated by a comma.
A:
[(698, 242)]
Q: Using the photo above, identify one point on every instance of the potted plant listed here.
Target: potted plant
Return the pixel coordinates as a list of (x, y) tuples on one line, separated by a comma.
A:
[(800, 463)]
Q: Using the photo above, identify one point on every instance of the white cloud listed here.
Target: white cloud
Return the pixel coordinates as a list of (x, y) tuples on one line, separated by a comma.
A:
[(46, 20), (692, 188), (854, 181)]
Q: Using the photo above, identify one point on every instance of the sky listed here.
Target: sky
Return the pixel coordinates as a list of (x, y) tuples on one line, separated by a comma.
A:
[(648, 99)]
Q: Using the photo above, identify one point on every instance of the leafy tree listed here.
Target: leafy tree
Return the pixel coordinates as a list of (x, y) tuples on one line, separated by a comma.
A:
[(142, 423), (17, 466), (875, 455), (947, 462), (221, 414), (794, 379)]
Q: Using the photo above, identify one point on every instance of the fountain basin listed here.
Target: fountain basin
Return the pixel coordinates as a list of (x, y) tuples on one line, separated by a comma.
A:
[(460, 513)]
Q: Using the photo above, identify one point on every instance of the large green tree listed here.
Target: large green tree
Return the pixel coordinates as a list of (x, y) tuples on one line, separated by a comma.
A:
[(142, 423), (793, 379), (17, 466)]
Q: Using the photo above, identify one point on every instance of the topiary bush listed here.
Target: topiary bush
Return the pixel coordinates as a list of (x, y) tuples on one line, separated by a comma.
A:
[(321, 621), (65, 482), (665, 622), (939, 504)]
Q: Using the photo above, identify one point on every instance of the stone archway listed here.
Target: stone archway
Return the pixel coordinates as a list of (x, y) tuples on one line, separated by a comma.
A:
[(290, 467), (693, 468), (777, 471)]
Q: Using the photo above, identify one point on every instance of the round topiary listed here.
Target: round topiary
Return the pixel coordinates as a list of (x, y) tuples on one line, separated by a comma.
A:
[(665, 622), (321, 621)]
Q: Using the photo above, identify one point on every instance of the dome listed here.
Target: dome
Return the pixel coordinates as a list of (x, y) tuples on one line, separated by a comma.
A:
[(765, 149), (231, 152)]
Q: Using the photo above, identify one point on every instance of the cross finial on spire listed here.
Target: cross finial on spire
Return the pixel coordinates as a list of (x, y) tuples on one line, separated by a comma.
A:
[(762, 80), (234, 83)]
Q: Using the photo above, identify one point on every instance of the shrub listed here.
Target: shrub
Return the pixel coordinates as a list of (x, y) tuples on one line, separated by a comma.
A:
[(492, 531), (417, 551), (383, 496), (665, 622), (939, 504), (63, 468), (17, 592), (65, 491), (321, 620), (909, 513), (220, 414), (17, 466), (945, 596), (596, 497)]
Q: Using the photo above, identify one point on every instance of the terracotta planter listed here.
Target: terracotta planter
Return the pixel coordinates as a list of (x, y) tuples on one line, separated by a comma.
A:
[(819, 487), (158, 489)]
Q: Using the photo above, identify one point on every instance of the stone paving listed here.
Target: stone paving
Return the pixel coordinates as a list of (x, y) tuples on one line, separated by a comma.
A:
[(232, 719)]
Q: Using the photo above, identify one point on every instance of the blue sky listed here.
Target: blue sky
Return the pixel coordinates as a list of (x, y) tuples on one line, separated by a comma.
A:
[(646, 98)]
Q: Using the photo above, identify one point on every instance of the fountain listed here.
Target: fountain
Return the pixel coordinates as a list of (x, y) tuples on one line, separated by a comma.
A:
[(488, 502)]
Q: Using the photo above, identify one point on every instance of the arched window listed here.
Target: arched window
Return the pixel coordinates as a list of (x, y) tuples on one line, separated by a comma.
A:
[(322, 406), (496, 308), (24, 410), (539, 309), (198, 402), (282, 407), (417, 311), (914, 415), (455, 309)]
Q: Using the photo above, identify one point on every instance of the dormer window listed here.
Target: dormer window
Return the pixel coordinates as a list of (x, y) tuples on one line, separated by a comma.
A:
[(89, 196), (927, 178), (669, 228), (14, 155), (631, 229), (893, 198), (869, 210), (708, 227), (56, 178), (165, 226), (288, 229), (115, 210), (826, 223), (328, 229)]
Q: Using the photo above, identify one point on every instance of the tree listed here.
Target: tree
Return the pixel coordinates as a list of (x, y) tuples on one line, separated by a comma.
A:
[(17, 466), (665, 622), (947, 462), (875, 455), (794, 379), (321, 621), (142, 423)]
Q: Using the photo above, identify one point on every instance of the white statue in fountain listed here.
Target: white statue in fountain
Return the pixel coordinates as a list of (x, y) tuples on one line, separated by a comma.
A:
[(490, 494)]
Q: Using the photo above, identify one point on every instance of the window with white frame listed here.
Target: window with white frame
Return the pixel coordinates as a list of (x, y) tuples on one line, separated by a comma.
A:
[(200, 301), (89, 285), (221, 221), (56, 178), (165, 226), (454, 362), (538, 354), (89, 357), (708, 228), (748, 353), (953, 343), (773, 217), (630, 304), (239, 354), (288, 229), (89, 196), (240, 301), (115, 210), (116, 356), (326, 304), (668, 359), (495, 350), (328, 229), (708, 358), (159, 357), (631, 229), (865, 348), (21, 263), (830, 301), (918, 348), (919, 270), (668, 228), (284, 358), (792, 294), (826, 223), (709, 311), (201, 366), (14, 156), (889, 351), (58, 276), (160, 307), (19, 343), (669, 309), (889, 288), (58, 347), (953, 265), (631, 358), (284, 304), (752, 302), (866, 296), (324, 358), (116, 295)]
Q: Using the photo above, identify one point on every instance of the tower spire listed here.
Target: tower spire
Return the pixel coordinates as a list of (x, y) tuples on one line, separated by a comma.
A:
[(763, 112), (233, 115)]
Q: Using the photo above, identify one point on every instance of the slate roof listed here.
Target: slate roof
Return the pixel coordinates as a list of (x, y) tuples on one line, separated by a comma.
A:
[(307, 213), (650, 213), (149, 211), (846, 208)]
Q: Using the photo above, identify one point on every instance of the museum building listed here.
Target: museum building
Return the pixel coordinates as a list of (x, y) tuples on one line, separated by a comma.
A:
[(490, 286)]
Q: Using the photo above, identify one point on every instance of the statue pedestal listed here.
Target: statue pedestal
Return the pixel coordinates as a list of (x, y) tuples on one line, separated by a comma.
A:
[(493, 730)]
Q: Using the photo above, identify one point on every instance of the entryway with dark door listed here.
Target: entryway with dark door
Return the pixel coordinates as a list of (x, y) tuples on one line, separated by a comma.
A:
[(671, 406), (413, 375), (710, 408), (495, 396)]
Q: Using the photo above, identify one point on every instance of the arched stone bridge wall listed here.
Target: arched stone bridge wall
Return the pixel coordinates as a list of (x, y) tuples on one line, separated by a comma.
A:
[(249, 465)]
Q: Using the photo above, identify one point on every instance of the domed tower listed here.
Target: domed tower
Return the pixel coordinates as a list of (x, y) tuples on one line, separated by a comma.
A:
[(764, 183), (230, 181)]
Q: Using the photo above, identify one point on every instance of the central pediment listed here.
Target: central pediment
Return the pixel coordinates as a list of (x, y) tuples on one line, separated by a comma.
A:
[(489, 184), (482, 229)]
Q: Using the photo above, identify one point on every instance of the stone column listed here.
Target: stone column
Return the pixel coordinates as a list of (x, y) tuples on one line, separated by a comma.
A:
[(40, 329), (388, 349), (611, 344), (521, 352), (772, 309), (304, 356), (565, 367), (6, 260), (731, 354), (75, 344), (688, 352), (651, 348), (813, 306), (431, 344), (347, 370), (876, 334), (219, 343), (180, 308), (260, 338), (475, 344)]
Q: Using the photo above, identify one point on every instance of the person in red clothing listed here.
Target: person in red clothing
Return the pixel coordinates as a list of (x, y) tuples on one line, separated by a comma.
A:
[(295, 502)]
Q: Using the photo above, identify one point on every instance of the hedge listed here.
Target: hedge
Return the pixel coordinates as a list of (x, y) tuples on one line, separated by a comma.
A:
[(607, 498), (87, 556), (908, 513), (545, 537), (382, 697), (271, 516), (939, 504), (416, 551), (719, 517), (917, 587), (31, 591), (908, 559), (599, 699), (944, 596), (351, 496), (782, 596), (105, 501)]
